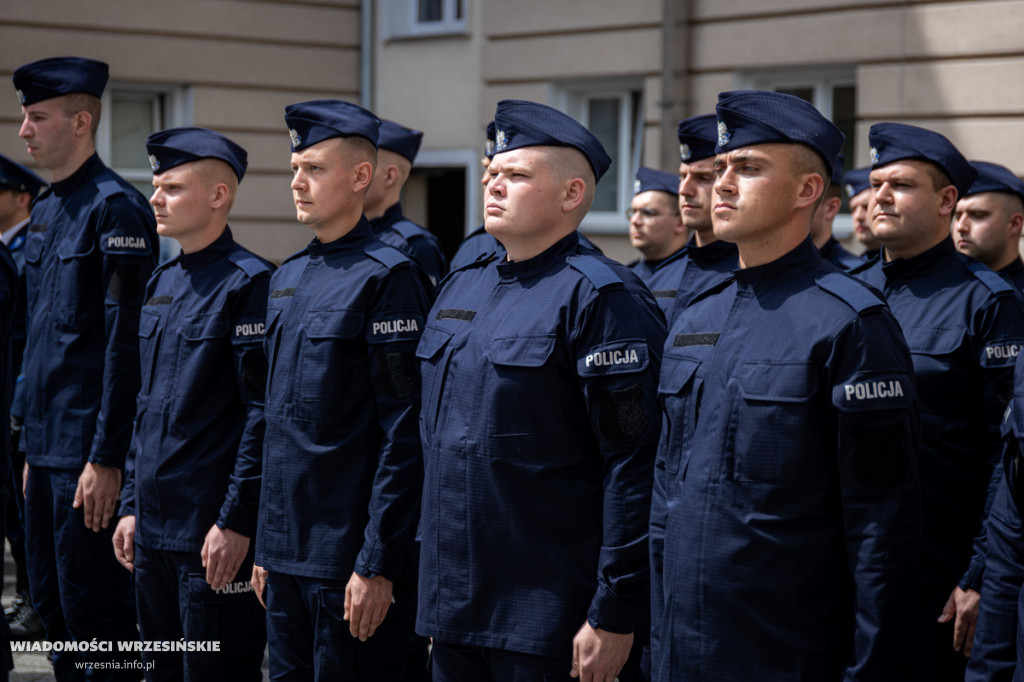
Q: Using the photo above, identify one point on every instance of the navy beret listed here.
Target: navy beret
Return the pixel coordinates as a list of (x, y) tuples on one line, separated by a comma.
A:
[(995, 178), (519, 123), (857, 180), (749, 117), (175, 146), (399, 139), (321, 119), (891, 142), (15, 176), (56, 76), (697, 137), (837, 171), (490, 141), (651, 179)]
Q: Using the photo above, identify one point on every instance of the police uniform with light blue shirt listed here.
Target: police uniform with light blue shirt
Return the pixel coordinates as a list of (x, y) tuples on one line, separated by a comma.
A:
[(995, 178), (711, 263), (15, 177), (197, 446), (855, 181), (660, 275), (832, 251), (89, 252), (539, 422), (342, 468), (785, 524), (964, 325), (393, 227)]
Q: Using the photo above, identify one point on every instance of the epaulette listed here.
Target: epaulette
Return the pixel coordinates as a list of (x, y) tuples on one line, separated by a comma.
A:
[(108, 186), (595, 270), (407, 229), (851, 291), (249, 263), (481, 260), (992, 280), (863, 266), (388, 256)]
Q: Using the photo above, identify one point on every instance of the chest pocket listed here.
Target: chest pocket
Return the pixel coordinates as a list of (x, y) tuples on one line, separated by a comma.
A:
[(932, 352), (205, 327), (333, 355), (433, 353), (34, 247), (149, 346), (779, 427), (679, 395), (517, 402), (79, 295)]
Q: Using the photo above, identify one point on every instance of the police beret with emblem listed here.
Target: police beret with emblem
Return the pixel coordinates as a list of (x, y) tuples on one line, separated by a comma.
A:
[(857, 180), (399, 139), (697, 137), (995, 178), (56, 76), (837, 170), (519, 123), (749, 117), (15, 176), (653, 180), (318, 120), (175, 146), (891, 142), (489, 141)]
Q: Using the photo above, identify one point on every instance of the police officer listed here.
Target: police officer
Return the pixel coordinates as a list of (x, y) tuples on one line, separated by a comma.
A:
[(858, 189), (821, 225), (397, 149), (964, 325), (479, 243), (18, 189), (89, 252), (342, 467), (708, 259), (539, 422), (655, 228), (784, 523), (191, 493), (988, 219)]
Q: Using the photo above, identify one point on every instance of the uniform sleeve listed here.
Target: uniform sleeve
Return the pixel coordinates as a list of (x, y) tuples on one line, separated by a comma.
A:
[(248, 323), (877, 432), (994, 656), (618, 345), (395, 321), (128, 259)]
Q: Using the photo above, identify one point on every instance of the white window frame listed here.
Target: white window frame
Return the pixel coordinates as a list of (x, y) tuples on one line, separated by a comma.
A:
[(822, 79), (572, 98), (400, 19)]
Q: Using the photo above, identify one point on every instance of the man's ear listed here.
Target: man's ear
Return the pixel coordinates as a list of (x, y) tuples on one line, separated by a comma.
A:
[(362, 176), (575, 193), (811, 187)]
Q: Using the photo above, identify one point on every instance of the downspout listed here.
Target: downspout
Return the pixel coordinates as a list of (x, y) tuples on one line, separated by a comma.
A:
[(366, 54), (675, 91)]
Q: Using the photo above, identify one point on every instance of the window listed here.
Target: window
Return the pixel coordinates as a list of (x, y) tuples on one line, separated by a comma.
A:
[(834, 92), (612, 112), (130, 114), (407, 18)]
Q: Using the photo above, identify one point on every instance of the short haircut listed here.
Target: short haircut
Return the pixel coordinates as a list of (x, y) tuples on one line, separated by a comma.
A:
[(213, 172), (80, 101), (807, 160), (568, 163), (359, 149), (940, 179)]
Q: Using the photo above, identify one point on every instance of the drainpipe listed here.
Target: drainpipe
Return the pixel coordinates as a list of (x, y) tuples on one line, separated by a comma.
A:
[(366, 54), (675, 91)]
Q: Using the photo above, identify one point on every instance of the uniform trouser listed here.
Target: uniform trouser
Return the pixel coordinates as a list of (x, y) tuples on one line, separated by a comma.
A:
[(15, 522), (460, 663), (309, 640), (174, 601), (78, 589)]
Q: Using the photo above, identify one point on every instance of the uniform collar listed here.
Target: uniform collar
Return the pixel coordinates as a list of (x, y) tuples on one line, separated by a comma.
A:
[(828, 247), (714, 252), (71, 183), (780, 270), (923, 263), (543, 261), (1015, 268), (389, 217), (211, 252), (354, 238), (656, 264)]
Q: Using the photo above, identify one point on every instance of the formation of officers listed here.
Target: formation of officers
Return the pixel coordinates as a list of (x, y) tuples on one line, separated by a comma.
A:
[(750, 455)]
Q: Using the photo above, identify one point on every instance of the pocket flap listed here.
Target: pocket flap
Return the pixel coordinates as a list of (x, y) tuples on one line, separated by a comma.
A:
[(675, 373), (521, 351), (147, 324), (932, 341), (198, 327), (333, 324), (778, 382), (432, 341)]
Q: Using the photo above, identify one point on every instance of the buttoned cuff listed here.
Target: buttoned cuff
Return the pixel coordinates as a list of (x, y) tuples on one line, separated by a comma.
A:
[(102, 453), (608, 612), (374, 559), (238, 518), (974, 575)]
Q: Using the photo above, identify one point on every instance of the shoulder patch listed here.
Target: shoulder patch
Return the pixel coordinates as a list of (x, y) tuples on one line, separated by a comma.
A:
[(388, 256), (108, 186), (249, 263), (598, 272), (851, 291), (993, 281)]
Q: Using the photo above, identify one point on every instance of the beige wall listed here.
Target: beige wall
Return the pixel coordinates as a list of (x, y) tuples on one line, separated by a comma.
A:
[(243, 61)]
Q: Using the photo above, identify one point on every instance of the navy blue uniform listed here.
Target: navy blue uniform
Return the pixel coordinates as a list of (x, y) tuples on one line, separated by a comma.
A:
[(964, 325), (479, 243), (539, 423), (342, 468), (9, 295), (1014, 272), (662, 277), (837, 255), (416, 242), (89, 252), (196, 455), (15, 505), (785, 530)]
